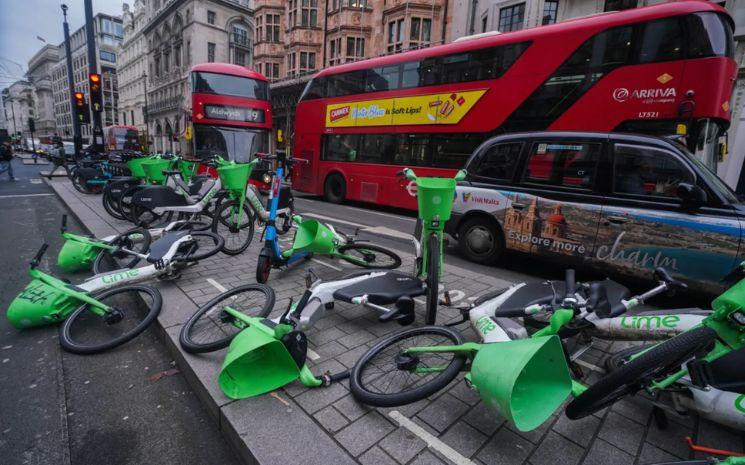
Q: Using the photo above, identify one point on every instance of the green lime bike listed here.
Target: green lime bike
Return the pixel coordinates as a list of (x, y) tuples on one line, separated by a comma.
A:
[(435, 198), (527, 380)]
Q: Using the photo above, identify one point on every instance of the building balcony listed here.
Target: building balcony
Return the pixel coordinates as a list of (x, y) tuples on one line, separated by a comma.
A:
[(166, 104), (240, 40)]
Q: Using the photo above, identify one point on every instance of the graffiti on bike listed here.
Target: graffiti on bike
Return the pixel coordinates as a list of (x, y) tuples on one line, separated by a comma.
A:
[(36, 292)]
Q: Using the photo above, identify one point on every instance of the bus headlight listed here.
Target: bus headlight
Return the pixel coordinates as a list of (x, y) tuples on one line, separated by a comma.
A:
[(266, 178)]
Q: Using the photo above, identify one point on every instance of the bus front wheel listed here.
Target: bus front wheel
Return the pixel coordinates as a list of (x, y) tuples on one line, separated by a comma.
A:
[(335, 189), (480, 240)]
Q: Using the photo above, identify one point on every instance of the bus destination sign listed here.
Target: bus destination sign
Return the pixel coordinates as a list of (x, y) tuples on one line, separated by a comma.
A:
[(230, 113)]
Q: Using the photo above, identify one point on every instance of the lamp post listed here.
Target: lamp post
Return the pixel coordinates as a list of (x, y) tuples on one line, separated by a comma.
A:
[(145, 113)]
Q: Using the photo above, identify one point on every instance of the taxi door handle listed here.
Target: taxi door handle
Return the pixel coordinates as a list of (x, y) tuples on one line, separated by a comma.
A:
[(518, 206), (616, 219)]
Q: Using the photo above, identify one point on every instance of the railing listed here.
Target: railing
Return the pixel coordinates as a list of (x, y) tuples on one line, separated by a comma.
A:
[(166, 104), (240, 39)]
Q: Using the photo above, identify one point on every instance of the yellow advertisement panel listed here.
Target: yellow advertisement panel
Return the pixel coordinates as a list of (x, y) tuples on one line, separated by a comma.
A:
[(444, 108)]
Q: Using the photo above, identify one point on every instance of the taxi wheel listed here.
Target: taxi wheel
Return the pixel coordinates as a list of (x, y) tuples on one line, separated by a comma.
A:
[(480, 240)]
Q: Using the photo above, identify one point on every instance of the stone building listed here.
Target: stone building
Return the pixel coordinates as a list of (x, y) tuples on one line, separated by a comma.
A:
[(132, 67), (108, 39), (179, 34), (18, 106), (296, 38), (40, 76)]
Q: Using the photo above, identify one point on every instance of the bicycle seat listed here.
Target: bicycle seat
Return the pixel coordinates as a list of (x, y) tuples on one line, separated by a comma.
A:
[(160, 248), (384, 289)]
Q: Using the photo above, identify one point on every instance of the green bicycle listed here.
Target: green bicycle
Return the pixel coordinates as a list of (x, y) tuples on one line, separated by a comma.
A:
[(435, 198)]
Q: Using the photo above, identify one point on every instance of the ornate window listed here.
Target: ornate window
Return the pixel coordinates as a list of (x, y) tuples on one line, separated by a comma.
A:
[(421, 32), (355, 48), (395, 36)]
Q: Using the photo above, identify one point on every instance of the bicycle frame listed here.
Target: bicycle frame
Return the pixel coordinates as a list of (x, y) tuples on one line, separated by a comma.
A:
[(55, 299), (271, 242)]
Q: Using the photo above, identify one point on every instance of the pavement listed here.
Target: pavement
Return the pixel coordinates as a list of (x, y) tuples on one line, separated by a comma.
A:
[(326, 425), (128, 406)]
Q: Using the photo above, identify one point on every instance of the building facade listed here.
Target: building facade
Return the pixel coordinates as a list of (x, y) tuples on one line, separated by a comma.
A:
[(18, 107), (40, 76), (132, 67), (296, 38), (179, 34), (108, 38)]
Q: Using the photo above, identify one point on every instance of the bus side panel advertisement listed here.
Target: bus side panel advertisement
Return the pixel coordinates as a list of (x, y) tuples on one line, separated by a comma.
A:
[(443, 108)]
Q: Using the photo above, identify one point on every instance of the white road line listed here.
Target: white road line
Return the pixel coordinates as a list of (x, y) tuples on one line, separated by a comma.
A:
[(431, 441), (22, 195), (312, 354), (35, 181), (326, 264), (373, 212), (217, 285)]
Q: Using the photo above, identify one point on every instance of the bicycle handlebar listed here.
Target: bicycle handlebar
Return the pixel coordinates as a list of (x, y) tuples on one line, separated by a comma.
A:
[(571, 284), (39, 255)]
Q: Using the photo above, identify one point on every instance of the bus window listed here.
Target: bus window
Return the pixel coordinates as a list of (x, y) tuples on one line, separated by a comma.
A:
[(237, 86), (709, 34), (661, 40), (341, 147), (238, 144), (382, 78), (429, 72), (410, 74), (377, 148), (346, 83), (316, 88), (453, 150)]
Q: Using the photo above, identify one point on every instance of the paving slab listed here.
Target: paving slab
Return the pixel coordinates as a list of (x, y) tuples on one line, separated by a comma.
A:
[(326, 425)]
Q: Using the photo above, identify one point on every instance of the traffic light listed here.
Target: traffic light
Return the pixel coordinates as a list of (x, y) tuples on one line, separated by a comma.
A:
[(31, 125), (94, 84), (81, 109)]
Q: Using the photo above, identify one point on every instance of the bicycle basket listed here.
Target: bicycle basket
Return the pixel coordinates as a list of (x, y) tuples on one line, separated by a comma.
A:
[(135, 167), (154, 169), (256, 363), (76, 256), (435, 198), (234, 176), (526, 380), (312, 236), (39, 304)]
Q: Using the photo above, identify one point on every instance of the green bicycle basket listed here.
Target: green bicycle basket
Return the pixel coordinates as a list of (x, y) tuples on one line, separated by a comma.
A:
[(135, 167), (435, 197), (256, 363), (311, 236), (39, 304), (234, 176), (154, 169), (526, 380), (76, 256)]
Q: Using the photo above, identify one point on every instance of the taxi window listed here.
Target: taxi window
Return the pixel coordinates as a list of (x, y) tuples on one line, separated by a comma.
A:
[(499, 161), (648, 172), (565, 164)]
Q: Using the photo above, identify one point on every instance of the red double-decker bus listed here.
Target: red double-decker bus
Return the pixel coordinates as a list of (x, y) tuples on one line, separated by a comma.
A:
[(121, 137), (665, 69), (231, 112)]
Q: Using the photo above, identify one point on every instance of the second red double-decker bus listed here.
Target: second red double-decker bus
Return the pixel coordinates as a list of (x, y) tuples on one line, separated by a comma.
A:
[(121, 137), (665, 69), (231, 111)]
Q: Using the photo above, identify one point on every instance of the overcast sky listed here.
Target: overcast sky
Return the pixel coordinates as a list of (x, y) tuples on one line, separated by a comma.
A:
[(22, 20)]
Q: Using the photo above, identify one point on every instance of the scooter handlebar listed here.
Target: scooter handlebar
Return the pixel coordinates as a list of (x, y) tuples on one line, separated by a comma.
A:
[(39, 255)]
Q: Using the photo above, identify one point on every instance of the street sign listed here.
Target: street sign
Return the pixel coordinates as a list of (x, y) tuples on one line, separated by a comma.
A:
[(187, 135)]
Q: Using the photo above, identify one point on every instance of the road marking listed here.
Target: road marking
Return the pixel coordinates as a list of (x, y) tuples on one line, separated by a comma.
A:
[(217, 285), (22, 195), (312, 354), (431, 441), (389, 215), (35, 181), (326, 264)]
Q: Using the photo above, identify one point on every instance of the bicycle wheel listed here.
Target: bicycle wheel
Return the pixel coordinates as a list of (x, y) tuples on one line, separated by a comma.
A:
[(384, 377), (433, 277), (369, 256), (615, 361), (203, 244), (133, 309), (78, 182), (635, 375), (124, 204), (137, 240), (235, 225), (210, 328), (111, 205), (194, 221), (147, 218)]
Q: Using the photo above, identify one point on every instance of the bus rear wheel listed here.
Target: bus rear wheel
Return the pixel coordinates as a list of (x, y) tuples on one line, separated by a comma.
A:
[(335, 189)]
